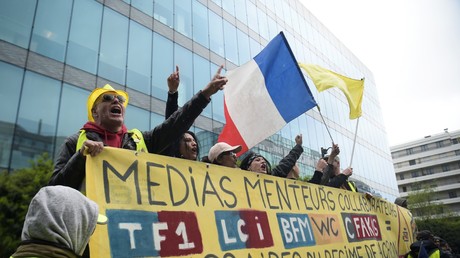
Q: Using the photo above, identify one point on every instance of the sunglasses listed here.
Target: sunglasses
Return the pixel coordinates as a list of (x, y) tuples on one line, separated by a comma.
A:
[(231, 153), (111, 97)]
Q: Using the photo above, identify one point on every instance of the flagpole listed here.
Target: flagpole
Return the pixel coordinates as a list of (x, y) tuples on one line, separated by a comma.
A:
[(354, 142), (324, 122)]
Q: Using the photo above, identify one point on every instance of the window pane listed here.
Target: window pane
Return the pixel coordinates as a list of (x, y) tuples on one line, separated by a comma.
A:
[(183, 17), (139, 57), (163, 65), (202, 76), (156, 119), (114, 39), (200, 24), (263, 25), (229, 6), (137, 118), (183, 58), (51, 28), (84, 35), (252, 16), (231, 51), (216, 33), (255, 47), (73, 104), (243, 47), (218, 99), (16, 19), (145, 6), (37, 126), (163, 11), (10, 88), (240, 6)]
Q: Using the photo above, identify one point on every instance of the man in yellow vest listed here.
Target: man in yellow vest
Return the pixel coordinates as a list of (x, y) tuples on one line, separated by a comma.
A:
[(334, 177), (105, 127)]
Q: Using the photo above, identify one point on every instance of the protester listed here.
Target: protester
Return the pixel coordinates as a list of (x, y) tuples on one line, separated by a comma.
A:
[(59, 223), (257, 163), (294, 173), (186, 146), (332, 174), (224, 154), (105, 127), (320, 166), (424, 246)]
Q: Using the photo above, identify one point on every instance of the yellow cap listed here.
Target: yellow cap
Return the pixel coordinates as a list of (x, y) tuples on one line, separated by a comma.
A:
[(98, 92)]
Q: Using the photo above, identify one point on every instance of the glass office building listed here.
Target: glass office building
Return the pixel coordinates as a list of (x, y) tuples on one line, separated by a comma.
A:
[(54, 52)]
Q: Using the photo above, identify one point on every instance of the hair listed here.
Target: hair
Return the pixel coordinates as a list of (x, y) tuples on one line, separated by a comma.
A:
[(246, 162), (175, 147)]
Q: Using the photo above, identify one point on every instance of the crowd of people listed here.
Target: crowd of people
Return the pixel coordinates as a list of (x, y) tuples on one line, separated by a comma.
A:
[(105, 127)]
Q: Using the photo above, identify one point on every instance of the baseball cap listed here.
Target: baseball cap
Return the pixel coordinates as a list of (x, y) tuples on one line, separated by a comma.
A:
[(221, 147)]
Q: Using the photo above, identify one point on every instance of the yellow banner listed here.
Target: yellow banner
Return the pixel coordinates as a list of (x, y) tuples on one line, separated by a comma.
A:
[(159, 206)]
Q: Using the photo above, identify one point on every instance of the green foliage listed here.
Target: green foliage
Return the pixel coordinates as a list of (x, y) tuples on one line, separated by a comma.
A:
[(423, 206), (446, 229), (16, 190)]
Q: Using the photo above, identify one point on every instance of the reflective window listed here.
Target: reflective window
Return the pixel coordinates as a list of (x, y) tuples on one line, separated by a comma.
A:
[(145, 6), (218, 98), (72, 104), (16, 19), (85, 28), (218, 2), (252, 16), (263, 25), (10, 89), (36, 126), (183, 58), (51, 28), (229, 6), (162, 65), (216, 33), (243, 47), (255, 47), (240, 11), (231, 51), (183, 17), (114, 40), (272, 28), (201, 77), (139, 57), (200, 24), (163, 11), (156, 119), (137, 118)]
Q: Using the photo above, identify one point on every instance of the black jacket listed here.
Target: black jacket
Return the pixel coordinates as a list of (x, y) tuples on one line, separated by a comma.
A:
[(287, 163), (69, 168)]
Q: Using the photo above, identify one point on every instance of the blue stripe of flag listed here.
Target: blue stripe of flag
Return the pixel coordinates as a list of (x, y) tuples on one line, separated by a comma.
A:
[(284, 80)]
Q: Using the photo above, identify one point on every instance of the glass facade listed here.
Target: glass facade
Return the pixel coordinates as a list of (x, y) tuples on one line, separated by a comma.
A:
[(53, 53)]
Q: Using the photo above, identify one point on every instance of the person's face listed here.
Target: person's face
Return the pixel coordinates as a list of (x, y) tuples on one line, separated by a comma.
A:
[(227, 159), (109, 112), (188, 147), (258, 165)]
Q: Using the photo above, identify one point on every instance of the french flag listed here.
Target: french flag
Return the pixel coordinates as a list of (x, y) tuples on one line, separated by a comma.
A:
[(264, 95)]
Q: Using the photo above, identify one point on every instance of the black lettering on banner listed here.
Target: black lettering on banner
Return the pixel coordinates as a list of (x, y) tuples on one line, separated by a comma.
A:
[(133, 169), (283, 196), (294, 192), (208, 181), (254, 187), (221, 184), (170, 169), (326, 228), (151, 184), (306, 194), (268, 194), (370, 251), (192, 182)]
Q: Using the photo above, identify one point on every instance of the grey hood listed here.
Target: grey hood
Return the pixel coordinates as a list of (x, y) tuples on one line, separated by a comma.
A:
[(61, 215)]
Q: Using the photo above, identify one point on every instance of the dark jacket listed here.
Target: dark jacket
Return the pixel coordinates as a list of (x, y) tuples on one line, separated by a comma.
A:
[(69, 168), (341, 181), (316, 179), (431, 249), (287, 163)]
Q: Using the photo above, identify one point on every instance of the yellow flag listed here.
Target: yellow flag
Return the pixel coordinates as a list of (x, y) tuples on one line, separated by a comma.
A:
[(325, 79)]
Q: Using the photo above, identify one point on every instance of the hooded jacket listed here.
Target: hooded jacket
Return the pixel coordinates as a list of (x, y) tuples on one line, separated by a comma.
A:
[(59, 223)]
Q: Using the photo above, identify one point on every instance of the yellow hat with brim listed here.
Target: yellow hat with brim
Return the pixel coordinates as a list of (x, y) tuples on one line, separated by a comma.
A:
[(96, 93), (102, 219)]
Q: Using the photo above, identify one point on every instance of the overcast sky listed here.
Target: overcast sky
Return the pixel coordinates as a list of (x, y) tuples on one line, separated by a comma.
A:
[(413, 49)]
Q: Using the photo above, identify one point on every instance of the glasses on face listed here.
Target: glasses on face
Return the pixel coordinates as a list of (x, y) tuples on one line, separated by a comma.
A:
[(231, 153), (111, 97)]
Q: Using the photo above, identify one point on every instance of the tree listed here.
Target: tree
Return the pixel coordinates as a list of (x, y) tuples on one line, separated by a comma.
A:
[(423, 206), (16, 190)]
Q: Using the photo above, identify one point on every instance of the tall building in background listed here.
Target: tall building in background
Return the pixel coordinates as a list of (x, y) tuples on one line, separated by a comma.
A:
[(53, 53), (433, 162)]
